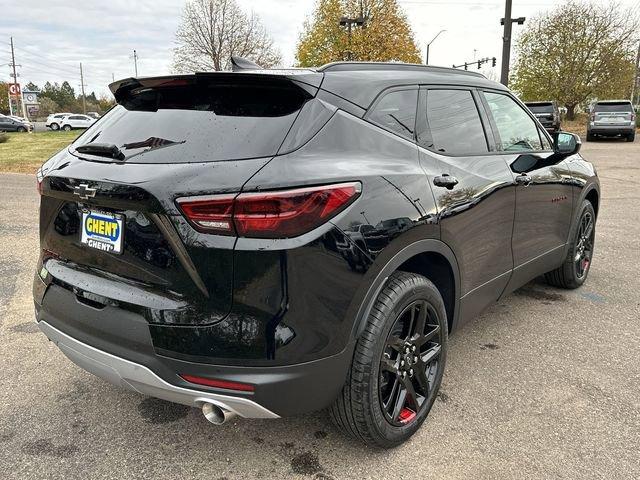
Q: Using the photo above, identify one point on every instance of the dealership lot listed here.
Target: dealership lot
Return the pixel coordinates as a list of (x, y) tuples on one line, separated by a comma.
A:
[(544, 384)]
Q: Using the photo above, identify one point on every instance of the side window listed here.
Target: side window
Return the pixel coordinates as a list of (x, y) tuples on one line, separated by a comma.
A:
[(453, 123), (396, 111), (518, 132)]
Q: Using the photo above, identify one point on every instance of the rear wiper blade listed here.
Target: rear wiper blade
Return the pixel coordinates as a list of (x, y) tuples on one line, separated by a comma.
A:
[(108, 150)]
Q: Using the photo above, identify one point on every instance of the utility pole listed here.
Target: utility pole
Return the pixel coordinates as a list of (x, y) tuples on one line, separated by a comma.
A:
[(135, 61), (84, 100), (508, 22), (13, 65)]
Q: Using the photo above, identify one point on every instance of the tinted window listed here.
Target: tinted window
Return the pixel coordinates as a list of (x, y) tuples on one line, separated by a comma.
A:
[(454, 123), (396, 111), (518, 132), (222, 120), (613, 107), (540, 107)]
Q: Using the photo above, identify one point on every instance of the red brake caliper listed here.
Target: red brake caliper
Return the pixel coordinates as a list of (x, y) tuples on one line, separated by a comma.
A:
[(406, 415)]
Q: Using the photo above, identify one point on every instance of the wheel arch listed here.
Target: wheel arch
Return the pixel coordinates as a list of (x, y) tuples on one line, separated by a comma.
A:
[(430, 258), (593, 196)]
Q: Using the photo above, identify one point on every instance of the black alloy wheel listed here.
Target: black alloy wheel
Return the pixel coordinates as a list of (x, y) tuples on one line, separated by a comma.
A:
[(397, 365), (410, 363), (584, 244), (575, 268)]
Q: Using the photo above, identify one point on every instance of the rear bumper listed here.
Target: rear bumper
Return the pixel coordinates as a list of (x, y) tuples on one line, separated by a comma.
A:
[(611, 129), (138, 378), (116, 345)]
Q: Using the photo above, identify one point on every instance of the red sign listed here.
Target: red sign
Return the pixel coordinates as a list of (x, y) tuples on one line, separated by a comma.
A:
[(14, 89)]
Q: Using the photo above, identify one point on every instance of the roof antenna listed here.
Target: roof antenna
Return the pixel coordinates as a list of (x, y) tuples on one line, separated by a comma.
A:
[(238, 64)]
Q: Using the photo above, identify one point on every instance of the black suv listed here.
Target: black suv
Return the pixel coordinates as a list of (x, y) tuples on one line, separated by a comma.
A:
[(547, 113), (612, 118), (199, 242)]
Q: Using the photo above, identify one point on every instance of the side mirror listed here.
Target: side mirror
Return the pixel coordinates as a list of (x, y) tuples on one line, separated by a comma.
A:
[(567, 143)]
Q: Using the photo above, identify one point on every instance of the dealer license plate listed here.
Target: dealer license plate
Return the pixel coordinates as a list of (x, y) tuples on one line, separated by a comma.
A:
[(102, 230)]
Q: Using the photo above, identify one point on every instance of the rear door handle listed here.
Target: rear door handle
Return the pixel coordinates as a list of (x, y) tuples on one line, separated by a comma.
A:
[(446, 181), (523, 179)]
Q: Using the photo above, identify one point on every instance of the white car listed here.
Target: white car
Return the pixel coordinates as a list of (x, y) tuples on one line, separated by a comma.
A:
[(76, 121), (53, 120)]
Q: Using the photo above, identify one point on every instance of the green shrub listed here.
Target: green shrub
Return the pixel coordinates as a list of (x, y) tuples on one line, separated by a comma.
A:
[(3, 137)]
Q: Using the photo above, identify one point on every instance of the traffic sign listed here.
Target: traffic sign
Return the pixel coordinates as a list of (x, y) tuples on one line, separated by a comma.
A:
[(14, 89)]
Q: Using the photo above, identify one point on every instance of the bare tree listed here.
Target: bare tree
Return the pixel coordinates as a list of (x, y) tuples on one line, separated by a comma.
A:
[(213, 30)]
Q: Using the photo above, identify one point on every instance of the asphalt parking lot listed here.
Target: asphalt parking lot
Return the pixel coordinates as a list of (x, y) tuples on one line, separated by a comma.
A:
[(545, 384)]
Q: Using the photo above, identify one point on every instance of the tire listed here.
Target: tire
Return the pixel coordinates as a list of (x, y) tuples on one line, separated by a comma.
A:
[(66, 128), (21, 129), (378, 372), (574, 270), (631, 137), (54, 127), (590, 137)]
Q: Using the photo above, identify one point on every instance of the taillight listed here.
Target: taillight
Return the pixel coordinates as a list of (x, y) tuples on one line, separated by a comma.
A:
[(210, 213), (274, 214)]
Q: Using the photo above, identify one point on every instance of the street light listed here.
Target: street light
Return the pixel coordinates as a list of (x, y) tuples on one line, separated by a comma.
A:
[(429, 44), (349, 23)]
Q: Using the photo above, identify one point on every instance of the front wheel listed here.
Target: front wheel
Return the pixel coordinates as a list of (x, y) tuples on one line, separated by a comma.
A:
[(573, 272), (21, 129), (66, 128), (54, 127), (631, 137), (398, 364)]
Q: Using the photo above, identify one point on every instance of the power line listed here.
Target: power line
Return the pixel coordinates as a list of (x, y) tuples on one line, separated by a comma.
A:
[(56, 66)]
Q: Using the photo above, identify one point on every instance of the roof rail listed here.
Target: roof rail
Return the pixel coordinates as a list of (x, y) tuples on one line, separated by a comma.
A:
[(390, 66)]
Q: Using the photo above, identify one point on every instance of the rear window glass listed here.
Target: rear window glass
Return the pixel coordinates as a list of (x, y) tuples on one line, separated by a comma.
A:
[(396, 112), (199, 123), (613, 107), (541, 107)]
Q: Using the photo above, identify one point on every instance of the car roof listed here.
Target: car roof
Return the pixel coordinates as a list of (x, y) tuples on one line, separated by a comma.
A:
[(361, 82), (603, 102), (536, 102)]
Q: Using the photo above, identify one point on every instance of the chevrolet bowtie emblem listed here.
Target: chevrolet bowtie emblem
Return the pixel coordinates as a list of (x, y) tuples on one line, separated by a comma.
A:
[(84, 191)]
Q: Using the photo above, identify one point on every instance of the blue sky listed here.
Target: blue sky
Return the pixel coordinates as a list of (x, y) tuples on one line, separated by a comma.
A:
[(52, 38)]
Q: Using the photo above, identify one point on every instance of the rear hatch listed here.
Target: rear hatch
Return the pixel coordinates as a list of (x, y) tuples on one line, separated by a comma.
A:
[(612, 113), (543, 111), (110, 228)]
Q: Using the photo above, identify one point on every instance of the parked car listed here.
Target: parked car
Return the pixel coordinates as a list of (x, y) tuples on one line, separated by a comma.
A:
[(547, 113), (208, 266), (612, 118), (95, 115), (10, 124), (20, 119), (71, 122), (53, 120)]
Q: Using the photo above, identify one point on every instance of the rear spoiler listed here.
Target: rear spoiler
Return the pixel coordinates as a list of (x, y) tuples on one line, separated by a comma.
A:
[(308, 80)]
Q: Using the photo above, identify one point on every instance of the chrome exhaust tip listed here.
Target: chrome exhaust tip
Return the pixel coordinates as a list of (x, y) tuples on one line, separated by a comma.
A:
[(215, 414)]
